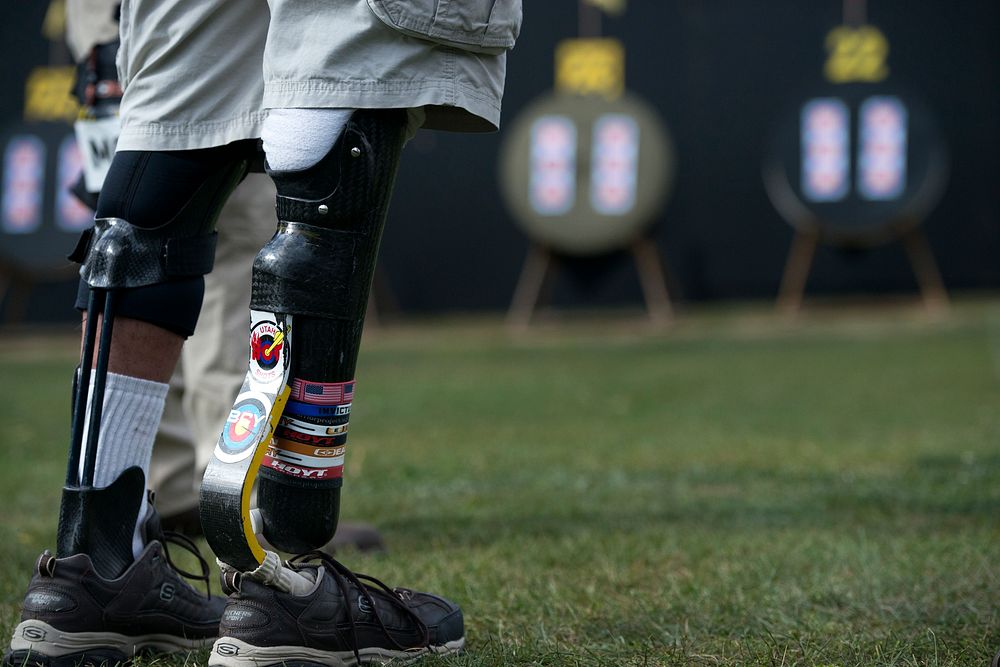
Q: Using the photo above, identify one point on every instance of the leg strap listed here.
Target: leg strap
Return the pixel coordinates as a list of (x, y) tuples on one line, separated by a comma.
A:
[(118, 256)]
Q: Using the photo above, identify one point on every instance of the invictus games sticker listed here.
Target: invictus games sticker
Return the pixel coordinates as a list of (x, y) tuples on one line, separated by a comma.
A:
[(299, 409), (244, 427)]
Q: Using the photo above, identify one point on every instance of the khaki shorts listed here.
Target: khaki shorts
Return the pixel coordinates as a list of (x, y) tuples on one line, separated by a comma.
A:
[(201, 73)]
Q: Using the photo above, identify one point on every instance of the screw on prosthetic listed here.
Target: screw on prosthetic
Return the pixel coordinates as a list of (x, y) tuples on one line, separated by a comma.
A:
[(118, 257), (315, 274)]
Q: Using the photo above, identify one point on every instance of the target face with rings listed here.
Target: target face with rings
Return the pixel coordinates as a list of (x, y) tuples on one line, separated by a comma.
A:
[(860, 162), (584, 175), (244, 428)]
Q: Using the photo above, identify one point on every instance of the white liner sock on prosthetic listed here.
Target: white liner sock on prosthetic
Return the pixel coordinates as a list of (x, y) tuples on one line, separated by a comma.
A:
[(296, 139), (132, 411)]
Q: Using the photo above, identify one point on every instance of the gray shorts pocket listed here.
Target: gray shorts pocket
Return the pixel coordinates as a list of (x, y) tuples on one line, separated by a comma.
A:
[(482, 26)]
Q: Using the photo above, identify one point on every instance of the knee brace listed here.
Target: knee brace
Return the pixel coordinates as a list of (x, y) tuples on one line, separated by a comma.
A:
[(154, 238), (164, 254), (313, 277)]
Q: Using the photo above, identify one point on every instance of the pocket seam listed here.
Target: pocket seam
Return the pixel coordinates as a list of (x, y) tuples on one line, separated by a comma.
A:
[(391, 13)]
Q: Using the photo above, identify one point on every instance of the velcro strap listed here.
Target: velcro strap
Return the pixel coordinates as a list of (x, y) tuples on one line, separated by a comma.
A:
[(190, 256), (301, 210)]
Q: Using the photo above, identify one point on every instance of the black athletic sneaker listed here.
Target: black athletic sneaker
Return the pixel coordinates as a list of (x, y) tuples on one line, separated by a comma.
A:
[(340, 622), (72, 615)]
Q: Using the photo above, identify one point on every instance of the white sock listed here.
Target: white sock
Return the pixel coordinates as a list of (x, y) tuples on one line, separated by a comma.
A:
[(296, 139), (131, 414)]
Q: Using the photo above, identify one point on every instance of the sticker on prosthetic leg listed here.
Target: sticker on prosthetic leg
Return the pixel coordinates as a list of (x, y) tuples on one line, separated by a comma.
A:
[(244, 427), (305, 463), (322, 393), (309, 411), (267, 341), (309, 445), (244, 441), (300, 426)]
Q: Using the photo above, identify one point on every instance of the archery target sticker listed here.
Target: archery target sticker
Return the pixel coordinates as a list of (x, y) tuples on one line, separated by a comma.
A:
[(244, 428)]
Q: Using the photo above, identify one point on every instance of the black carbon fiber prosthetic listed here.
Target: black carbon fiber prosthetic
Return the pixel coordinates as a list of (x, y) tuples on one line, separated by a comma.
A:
[(319, 268), (167, 245), (100, 522), (338, 206)]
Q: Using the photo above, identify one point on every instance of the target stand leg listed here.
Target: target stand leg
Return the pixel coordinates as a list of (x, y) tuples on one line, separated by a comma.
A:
[(932, 288), (16, 286), (381, 300), (793, 281), (529, 288), (652, 278), (5, 283)]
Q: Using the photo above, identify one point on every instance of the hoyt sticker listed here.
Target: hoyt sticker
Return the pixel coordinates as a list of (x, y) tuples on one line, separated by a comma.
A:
[(309, 439), (303, 472)]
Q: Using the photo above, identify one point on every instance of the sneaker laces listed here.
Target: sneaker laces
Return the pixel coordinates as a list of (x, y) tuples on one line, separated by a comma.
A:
[(343, 575), (183, 541)]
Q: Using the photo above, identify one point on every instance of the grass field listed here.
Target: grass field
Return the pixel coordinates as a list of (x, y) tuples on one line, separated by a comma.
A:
[(738, 491)]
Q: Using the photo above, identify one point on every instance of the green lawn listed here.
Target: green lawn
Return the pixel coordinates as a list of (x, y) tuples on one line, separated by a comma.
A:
[(737, 491)]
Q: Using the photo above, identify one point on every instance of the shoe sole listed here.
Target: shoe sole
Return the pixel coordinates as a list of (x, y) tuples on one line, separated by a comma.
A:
[(231, 652), (38, 644)]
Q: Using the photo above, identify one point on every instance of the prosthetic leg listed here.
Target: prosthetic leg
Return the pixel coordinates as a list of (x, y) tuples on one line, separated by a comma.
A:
[(118, 256), (309, 294)]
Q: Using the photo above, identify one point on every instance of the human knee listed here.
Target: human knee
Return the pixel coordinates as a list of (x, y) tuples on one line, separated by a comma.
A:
[(153, 189), (173, 305), (154, 240)]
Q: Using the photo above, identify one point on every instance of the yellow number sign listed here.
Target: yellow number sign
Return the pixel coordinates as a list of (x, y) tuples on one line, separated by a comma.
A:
[(856, 54), (47, 95), (614, 7), (591, 66)]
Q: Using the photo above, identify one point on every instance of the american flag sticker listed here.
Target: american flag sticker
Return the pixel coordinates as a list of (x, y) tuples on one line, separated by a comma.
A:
[(322, 393)]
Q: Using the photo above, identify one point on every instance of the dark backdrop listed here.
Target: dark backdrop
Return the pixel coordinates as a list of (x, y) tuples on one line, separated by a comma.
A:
[(720, 72)]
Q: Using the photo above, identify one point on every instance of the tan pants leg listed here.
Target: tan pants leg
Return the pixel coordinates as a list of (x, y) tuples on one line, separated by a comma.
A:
[(214, 360)]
